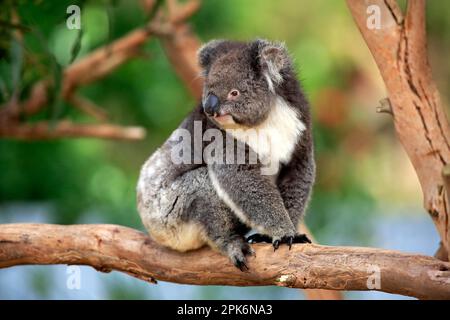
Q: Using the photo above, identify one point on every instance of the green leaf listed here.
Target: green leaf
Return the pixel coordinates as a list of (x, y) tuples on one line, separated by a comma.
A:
[(56, 104), (76, 47)]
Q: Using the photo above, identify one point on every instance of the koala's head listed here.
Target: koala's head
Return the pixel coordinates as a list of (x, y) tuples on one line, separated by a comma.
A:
[(240, 80)]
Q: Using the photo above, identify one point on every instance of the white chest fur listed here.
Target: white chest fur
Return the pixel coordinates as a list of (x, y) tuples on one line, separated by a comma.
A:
[(274, 140)]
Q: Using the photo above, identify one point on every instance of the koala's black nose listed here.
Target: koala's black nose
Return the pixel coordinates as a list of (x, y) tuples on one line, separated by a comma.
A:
[(211, 104)]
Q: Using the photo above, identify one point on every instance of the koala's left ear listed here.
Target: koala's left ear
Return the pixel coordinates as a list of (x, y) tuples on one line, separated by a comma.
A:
[(270, 59)]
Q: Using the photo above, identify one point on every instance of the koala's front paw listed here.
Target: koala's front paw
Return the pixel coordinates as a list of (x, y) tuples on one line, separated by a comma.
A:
[(301, 238), (282, 236), (237, 252), (289, 240), (258, 238)]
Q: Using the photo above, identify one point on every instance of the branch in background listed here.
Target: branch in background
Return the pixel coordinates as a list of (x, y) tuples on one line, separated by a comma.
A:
[(88, 107), (399, 49), (92, 67), (67, 129), (444, 250), (110, 247), (180, 48), (103, 61), (180, 43), (179, 13), (148, 5)]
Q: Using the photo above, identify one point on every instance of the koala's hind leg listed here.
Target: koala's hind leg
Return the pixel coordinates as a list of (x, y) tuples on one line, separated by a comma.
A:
[(222, 229), (187, 213)]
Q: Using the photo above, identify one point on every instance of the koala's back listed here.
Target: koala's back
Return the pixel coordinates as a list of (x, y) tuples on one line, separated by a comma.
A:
[(163, 202)]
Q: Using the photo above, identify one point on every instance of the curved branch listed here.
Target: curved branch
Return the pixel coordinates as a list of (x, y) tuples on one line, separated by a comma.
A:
[(111, 247)]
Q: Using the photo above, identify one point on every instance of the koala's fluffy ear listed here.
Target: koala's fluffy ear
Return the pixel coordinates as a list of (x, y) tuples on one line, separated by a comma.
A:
[(270, 59), (208, 52)]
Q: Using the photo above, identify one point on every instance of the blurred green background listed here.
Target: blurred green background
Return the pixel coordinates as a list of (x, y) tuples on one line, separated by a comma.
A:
[(366, 193)]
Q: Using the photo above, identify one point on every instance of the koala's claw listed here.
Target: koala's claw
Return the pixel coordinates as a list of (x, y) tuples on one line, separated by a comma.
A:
[(301, 238), (238, 251), (289, 240), (276, 244), (241, 265), (240, 261)]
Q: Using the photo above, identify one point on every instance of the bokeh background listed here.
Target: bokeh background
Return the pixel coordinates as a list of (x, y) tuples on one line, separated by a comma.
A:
[(366, 194)]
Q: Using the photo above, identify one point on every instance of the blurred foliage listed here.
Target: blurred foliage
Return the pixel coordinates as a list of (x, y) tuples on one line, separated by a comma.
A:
[(360, 163)]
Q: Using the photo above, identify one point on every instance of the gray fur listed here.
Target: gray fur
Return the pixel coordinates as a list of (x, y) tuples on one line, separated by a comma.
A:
[(174, 200)]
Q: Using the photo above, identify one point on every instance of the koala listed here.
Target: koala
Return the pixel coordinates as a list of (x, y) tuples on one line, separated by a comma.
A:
[(248, 86)]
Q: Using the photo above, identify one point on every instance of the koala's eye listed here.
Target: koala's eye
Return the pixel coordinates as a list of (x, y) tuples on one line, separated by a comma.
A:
[(233, 94)]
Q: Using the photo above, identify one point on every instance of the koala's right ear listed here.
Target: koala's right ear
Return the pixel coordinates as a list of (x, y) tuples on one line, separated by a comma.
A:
[(208, 53), (270, 59)]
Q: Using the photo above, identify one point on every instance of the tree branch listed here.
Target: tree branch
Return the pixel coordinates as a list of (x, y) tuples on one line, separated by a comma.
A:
[(66, 129), (104, 60), (110, 247), (399, 49), (94, 66), (88, 107), (181, 44)]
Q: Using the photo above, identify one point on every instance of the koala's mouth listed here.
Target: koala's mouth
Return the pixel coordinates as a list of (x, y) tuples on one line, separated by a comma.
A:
[(222, 117), (224, 120)]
